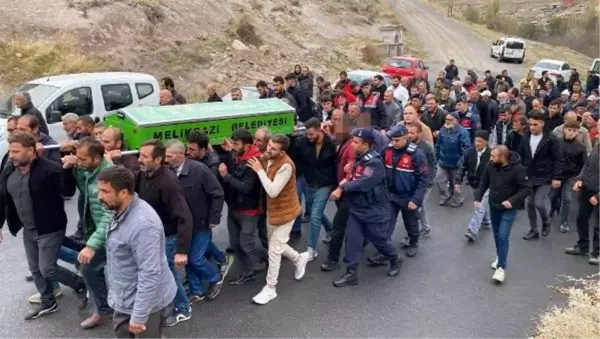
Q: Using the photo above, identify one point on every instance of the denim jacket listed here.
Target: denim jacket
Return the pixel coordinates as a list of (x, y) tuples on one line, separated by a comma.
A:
[(139, 279)]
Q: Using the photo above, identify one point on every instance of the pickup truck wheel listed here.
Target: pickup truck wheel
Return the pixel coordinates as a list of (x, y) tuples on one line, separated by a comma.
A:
[(501, 56), (520, 61)]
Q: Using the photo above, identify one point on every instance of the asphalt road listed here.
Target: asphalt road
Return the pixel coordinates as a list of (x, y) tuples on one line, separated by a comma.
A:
[(445, 291), (444, 39)]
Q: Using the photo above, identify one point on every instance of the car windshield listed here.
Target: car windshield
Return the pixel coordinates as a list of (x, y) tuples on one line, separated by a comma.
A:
[(39, 94), (596, 67), (400, 63), (547, 65)]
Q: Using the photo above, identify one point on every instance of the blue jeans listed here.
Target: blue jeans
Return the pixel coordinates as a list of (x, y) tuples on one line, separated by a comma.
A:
[(300, 185), (502, 221), (198, 267), (181, 302), (481, 215), (213, 252), (316, 198), (93, 275)]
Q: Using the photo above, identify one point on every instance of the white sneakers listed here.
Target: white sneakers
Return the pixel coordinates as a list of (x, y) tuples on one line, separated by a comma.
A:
[(312, 254), (499, 275), (266, 294), (301, 262), (494, 265), (499, 272), (269, 293)]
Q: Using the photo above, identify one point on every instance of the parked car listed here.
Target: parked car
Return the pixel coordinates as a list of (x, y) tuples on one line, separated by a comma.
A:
[(405, 66), (93, 94), (360, 75), (507, 48), (554, 68), (248, 93), (595, 67)]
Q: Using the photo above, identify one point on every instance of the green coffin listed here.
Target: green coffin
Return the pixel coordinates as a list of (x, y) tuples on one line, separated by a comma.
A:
[(218, 120)]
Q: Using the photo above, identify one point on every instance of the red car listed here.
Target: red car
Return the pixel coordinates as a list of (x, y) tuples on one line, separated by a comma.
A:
[(405, 66)]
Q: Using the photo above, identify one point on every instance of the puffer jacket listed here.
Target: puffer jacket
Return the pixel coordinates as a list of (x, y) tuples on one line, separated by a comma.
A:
[(451, 146), (95, 216)]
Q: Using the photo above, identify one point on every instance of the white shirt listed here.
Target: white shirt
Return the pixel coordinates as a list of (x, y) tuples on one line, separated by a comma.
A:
[(400, 94), (479, 154), (179, 169), (273, 188), (534, 141)]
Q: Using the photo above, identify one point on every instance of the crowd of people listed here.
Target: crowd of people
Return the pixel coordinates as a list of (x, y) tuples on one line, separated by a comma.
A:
[(376, 151)]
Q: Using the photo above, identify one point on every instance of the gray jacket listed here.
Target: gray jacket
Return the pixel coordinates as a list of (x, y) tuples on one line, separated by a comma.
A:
[(583, 136), (429, 151), (393, 112), (137, 273)]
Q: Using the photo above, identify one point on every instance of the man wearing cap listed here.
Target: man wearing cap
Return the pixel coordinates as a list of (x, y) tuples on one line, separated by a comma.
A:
[(502, 128), (472, 165), (468, 119), (592, 104), (369, 209), (406, 171), (453, 142), (492, 106), (370, 103)]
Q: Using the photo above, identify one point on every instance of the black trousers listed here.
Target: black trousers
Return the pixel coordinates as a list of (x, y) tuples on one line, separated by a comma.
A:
[(587, 211), (339, 229)]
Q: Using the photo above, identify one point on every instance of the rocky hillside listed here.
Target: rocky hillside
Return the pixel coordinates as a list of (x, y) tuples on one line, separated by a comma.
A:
[(197, 42)]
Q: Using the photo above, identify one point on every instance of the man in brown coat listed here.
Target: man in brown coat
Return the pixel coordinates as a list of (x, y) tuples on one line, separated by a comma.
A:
[(279, 182)]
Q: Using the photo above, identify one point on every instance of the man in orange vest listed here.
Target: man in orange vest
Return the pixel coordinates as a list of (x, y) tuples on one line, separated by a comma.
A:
[(276, 171)]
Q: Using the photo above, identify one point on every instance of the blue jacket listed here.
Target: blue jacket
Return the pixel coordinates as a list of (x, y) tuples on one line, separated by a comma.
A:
[(406, 172), (451, 146), (471, 121), (366, 190)]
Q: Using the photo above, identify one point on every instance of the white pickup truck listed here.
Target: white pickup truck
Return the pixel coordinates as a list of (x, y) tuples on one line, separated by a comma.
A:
[(93, 94)]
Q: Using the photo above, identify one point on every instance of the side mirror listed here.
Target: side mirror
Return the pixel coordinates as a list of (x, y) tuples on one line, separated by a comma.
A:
[(55, 116)]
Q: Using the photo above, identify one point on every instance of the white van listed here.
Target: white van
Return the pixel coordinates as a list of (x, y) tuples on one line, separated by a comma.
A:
[(508, 49), (595, 67), (93, 94)]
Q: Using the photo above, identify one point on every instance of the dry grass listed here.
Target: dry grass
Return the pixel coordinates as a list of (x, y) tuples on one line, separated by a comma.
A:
[(371, 55), (412, 46), (23, 60), (246, 32), (579, 318)]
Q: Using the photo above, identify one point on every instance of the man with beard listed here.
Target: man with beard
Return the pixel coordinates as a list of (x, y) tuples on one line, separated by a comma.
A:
[(211, 90), (400, 92), (32, 201), (139, 280), (506, 180), (69, 124), (264, 91), (280, 92), (276, 173), (393, 111), (302, 97), (198, 148), (112, 140), (502, 128), (88, 163), (433, 116), (242, 194), (158, 186), (261, 140), (204, 197), (23, 101), (30, 124), (236, 94), (453, 142), (379, 85), (305, 81)]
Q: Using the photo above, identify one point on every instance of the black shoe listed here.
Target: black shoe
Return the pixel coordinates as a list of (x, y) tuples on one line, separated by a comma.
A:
[(41, 311), (230, 250), (472, 236), (243, 278), (411, 252), (546, 230), (576, 250), (213, 291), (349, 278), (377, 260), (29, 278), (330, 265), (82, 296), (405, 242), (531, 235), (395, 266)]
